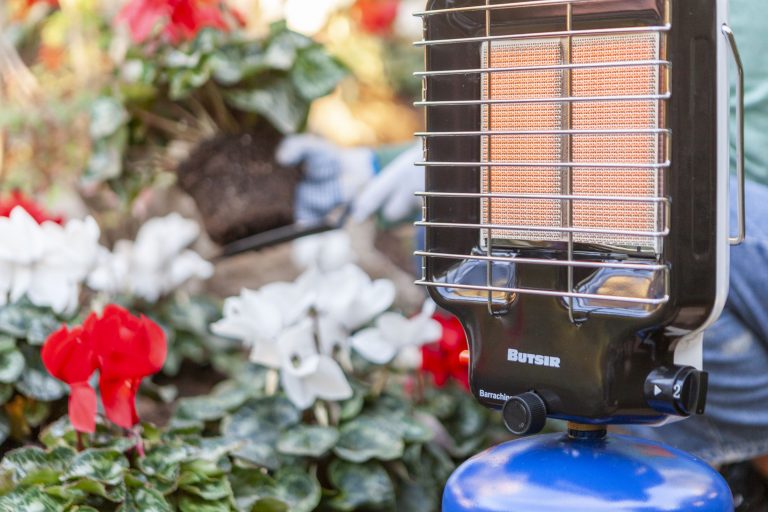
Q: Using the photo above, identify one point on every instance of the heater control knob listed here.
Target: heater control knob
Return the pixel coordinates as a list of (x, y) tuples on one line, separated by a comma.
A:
[(678, 390), (525, 414)]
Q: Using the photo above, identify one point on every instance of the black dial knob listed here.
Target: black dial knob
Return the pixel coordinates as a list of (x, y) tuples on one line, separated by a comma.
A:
[(678, 390), (525, 414)]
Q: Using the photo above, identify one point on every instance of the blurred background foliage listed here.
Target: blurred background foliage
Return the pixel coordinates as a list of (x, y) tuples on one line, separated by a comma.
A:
[(57, 57)]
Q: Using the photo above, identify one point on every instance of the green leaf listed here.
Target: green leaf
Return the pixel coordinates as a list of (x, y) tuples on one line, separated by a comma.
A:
[(283, 47), (258, 424), (277, 100), (363, 439), (316, 73), (191, 503), (261, 418), (184, 82), (6, 392), (360, 485), (105, 162), (103, 465), (211, 407), (7, 342), (113, 493), (30, 499), (308, 441), (37, 384), (107, 116), (294, 487), (269, 505), (145, 499), (25, 321), (40, 326), (163, 463), (35, 381), (210, 489), (34, 465), (11, 366), (5, 428)]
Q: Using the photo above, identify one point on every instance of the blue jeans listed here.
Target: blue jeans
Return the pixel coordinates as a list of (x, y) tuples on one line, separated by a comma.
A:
[(735, 426)]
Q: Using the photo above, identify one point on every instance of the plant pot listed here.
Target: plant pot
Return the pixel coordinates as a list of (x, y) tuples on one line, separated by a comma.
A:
[(239, 188)]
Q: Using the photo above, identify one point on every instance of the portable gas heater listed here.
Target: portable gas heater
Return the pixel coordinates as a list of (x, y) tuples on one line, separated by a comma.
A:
[(576, 203)]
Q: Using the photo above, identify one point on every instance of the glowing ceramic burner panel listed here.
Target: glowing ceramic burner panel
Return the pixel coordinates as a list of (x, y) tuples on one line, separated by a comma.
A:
[(638, 142)]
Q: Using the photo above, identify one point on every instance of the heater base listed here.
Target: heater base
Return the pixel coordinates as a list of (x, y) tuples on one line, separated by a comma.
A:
[(559, 473)]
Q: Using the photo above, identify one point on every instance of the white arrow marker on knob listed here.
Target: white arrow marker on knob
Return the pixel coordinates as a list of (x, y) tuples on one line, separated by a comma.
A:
[(656, 390)]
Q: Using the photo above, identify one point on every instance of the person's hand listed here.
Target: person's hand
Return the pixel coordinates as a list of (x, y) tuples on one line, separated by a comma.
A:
[(333, 176), (392, 192)]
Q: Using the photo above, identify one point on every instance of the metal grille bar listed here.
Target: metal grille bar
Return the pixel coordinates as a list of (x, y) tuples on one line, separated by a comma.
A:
[(542, 35), (599, 165), (553, 67), (488, 133), (487, 7), (558, 197), (545, 293), (543, 262), (562, 99), (550, 229)]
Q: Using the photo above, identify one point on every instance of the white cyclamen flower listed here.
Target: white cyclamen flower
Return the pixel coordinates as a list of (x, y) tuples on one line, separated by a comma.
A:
[(395, 334), (306, 374), (346, 300), (257, 318), (45, 262), (155, 264), (325, 252)]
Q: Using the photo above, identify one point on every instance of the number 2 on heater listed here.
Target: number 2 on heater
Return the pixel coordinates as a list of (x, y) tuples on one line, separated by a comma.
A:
[(678, 391)]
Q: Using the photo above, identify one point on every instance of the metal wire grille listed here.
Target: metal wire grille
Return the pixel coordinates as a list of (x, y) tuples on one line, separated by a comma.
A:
[(574, 145)]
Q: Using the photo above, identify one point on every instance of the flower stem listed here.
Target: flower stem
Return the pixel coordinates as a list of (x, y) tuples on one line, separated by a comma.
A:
[(272, 382), (139, 444), (321, 413), (80, 442)]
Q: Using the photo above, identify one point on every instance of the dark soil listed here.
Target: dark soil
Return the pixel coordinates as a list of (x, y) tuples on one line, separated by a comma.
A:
[(238, 186)]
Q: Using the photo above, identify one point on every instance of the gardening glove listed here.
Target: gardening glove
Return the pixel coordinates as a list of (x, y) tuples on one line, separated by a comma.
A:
[(392, 192), (333, 176)]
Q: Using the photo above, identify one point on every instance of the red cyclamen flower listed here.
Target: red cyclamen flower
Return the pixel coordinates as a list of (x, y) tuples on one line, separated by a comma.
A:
[(124, 348), (442, 358), (69, 357), (36, 211), (180, 20), (128, 349), (377, 16)]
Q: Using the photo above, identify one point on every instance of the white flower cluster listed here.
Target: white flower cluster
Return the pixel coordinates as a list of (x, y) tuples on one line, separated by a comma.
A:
[(303, 328), (153, 265), (45, 262)]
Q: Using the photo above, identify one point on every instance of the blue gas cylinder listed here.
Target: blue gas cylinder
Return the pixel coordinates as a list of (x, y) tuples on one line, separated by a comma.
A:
[(559, 473)]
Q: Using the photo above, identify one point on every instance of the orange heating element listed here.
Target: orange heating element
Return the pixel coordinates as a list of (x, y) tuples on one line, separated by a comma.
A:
[(643, 147)]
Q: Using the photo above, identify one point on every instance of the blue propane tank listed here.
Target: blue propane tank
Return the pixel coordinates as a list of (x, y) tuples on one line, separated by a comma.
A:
[(585, 473)]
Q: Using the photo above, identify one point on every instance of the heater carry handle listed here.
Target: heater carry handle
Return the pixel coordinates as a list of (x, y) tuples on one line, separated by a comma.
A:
[(740, 172)]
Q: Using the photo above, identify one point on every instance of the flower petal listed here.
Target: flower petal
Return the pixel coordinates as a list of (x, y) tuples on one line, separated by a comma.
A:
[(119, 399), (82, 407), (373, 346), (297, 392), (68, 355), (329, 382)]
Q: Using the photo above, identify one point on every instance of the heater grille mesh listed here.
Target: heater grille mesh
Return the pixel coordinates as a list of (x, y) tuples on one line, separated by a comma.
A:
[(629, 148), (570, 146)]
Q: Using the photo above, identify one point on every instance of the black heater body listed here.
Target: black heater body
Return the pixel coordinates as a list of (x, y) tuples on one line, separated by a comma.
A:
[(576, 197)]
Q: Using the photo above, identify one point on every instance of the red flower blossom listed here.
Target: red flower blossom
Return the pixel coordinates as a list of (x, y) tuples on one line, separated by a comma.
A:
[(124, 348), (128, 349), (180, 20), (377, 16), (442, 358), (33, 209), (68, 356)]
